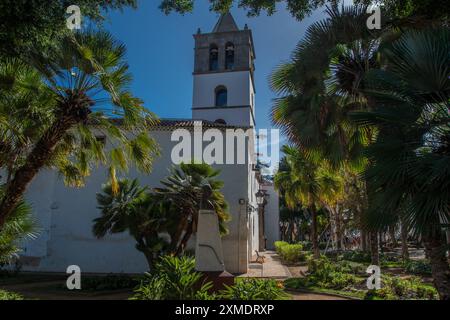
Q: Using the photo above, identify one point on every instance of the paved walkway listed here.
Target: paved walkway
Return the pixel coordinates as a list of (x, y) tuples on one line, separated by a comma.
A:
[(272, 268)]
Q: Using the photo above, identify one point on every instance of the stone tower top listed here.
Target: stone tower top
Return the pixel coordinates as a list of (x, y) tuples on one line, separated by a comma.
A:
[(226, 23), (225, 49)]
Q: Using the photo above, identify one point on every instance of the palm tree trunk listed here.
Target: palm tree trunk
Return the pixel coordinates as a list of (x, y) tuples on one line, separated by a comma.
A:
[(392, 236), (435, 249), (404, 235), (375, 257), (175, 238), (339, 242), (363, 240), (314, 233), (35, 161), (184, 241)]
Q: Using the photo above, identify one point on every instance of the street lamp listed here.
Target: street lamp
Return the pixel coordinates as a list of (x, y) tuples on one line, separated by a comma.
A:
[(260, 195)]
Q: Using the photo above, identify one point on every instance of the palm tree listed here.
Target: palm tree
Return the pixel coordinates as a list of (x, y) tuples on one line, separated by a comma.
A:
[(410, 158), (87, 70), (310, 184), (134, 209), (320, 86), (19, 226), (184, 189)]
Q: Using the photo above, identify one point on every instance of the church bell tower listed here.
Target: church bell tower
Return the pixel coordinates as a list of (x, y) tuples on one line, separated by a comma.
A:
[(224, 90)]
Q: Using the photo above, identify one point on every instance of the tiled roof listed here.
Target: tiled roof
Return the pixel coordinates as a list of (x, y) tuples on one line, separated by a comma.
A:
[(168, 124), (186, 123)]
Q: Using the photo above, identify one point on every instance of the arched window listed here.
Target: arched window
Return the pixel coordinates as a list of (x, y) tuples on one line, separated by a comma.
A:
[(213, 58), (229, 56), (220, 121), (221, 96)]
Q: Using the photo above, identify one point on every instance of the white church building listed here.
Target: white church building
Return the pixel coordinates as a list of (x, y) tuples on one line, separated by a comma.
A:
[(223, 98)]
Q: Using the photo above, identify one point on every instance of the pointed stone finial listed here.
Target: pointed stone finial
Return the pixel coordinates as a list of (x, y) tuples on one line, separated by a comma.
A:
[(199, 31), (226, 23)]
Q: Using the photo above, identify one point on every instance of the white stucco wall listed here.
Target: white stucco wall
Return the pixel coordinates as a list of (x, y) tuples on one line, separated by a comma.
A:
[(238, 84), (65, 215), (272, 217)]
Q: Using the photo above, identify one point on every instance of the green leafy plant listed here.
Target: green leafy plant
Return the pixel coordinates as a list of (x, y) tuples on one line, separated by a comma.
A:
[(278, 245), (110, 282), (130, 208), (421, 267), (173, 278), (254, 289), (6, 295), (395, 288), (19, 226)]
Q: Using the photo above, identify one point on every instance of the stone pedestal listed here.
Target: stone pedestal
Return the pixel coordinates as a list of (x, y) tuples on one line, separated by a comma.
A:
[(208, 251)]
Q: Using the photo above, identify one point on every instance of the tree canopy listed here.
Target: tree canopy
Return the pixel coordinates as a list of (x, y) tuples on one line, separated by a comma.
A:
[(301, 9), (25, 24)]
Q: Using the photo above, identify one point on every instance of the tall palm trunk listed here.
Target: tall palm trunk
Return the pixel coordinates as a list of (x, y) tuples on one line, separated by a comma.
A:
[(187, 235), (314, 233), (339, 233), (72, 110), (363, 240), (175, 238), (436, 252), (391, 230), (375, 257), (404, 235), (34, 162)]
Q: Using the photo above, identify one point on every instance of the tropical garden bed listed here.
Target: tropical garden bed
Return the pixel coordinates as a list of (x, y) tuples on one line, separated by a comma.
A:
[(345, 275)]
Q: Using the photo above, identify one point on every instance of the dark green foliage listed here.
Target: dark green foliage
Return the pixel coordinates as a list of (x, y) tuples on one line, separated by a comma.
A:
[(133, 209), (421, 267), (6, 295), (303, 8), (109, 282), (356, 256), (395, 288), (173, 278), (254, 289), (324, 273), (20, 226), (35, 25)]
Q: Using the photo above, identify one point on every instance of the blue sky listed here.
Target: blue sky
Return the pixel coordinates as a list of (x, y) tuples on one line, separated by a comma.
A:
[(161, 56)]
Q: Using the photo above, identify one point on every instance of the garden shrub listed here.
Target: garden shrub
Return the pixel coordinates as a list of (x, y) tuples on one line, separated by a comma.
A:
[(278, 245), (329, 275), (351, 267), (292, 253), (6, 295), (357, 256), (110, 282), (421, 267), (394, 288), (254, 289), (173, 278)]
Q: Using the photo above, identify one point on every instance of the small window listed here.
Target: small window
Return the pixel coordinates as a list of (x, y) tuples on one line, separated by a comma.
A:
[(221, 96), (213, 58), (229, 56)]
